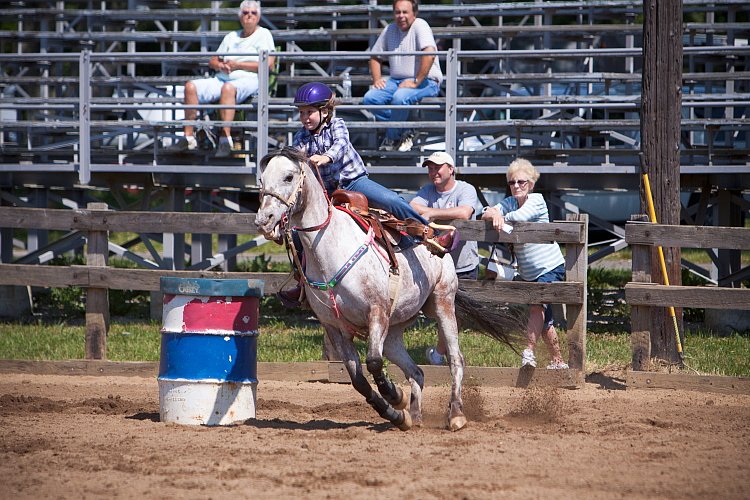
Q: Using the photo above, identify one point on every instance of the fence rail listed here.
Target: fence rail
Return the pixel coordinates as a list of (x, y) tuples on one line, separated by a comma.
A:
[(643, 294)]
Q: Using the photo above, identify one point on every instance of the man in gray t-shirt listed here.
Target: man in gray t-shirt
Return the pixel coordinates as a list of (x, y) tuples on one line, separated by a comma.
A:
[(446, 199), (411, 78)]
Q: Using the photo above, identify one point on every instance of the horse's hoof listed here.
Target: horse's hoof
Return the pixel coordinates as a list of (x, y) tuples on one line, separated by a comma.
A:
[(401, 404), (406, 424), (457, 423)]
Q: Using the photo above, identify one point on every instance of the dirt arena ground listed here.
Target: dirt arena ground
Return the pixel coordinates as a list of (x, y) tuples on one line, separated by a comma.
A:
[(100, 437)]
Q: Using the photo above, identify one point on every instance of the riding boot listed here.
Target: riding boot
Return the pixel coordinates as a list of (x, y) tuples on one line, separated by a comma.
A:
[(291, 298), (438, 238), (444, 242)]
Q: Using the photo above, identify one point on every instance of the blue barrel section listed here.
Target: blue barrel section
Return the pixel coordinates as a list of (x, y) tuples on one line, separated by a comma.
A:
[(230, 358), (208, 361)]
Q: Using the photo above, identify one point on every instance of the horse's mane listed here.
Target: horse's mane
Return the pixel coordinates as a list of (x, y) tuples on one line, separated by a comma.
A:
[(291, 154)]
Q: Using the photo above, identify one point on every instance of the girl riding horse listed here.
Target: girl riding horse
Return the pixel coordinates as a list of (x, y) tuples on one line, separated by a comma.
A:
[(325, 140)]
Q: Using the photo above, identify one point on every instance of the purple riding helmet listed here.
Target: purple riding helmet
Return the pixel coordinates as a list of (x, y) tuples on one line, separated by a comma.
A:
[(319, 96), (313, 94)]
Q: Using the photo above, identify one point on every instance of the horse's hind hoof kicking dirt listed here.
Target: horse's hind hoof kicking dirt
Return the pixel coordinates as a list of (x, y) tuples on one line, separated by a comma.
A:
[(456, 417), (352, 291)]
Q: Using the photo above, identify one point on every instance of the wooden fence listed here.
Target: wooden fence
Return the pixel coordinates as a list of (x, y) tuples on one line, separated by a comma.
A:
[(643, 294), (96, 222)]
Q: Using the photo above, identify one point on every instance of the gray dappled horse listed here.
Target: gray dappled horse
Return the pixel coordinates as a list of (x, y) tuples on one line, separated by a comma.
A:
[(352, 293)]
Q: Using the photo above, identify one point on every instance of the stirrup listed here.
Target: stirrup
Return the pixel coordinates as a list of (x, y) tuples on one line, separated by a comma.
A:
[(444, 243), (442, 227), (434, 247)]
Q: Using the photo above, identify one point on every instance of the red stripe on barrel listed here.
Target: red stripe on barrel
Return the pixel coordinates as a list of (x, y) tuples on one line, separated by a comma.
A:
[(219, 314)]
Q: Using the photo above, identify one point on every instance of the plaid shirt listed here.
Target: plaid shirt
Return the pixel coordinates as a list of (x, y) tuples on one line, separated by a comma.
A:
[(332, 141)]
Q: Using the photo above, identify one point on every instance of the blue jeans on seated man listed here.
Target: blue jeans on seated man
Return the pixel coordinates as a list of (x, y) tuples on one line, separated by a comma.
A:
[(392, 94)]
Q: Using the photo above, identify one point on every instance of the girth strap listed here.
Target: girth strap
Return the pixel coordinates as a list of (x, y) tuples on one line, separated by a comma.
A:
[(367, 221)]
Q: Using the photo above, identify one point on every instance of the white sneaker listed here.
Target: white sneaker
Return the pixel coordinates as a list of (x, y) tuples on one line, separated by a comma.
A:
[(561, 365), (434, 357), (528, 358), (407, 141), (387, 145)]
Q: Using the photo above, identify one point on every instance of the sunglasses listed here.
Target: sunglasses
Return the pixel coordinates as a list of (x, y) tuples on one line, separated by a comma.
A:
[(520, 183), (246, 12)]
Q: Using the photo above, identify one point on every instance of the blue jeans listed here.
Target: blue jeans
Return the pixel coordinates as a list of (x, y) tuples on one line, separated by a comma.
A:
[(383, 198), (391, 94)]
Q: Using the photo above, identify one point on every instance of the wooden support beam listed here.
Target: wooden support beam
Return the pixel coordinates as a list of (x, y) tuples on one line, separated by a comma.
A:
[(97, 296), (651, 294), (576, 266), (688, 382), (660, 133)]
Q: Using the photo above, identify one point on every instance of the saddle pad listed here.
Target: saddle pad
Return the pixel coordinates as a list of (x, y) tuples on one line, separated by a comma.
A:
[(363, 224)]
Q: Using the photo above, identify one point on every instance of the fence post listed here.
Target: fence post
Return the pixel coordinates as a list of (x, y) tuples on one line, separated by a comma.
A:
[(97, 299), (576, 269), (640, 316)]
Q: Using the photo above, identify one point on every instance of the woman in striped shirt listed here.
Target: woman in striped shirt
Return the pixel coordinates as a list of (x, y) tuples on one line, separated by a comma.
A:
[(540, 262)]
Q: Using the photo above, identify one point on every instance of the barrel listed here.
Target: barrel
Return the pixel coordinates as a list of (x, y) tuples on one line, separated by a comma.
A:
[(208, 360)]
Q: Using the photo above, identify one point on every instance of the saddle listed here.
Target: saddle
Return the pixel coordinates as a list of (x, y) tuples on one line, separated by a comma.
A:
[(387, 229)]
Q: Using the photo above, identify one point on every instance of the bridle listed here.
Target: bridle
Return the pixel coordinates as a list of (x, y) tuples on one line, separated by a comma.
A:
[(291, 203)]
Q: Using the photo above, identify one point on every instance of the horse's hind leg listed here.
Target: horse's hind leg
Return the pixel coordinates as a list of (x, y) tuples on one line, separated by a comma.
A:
[(441, 306), (394, 350), (348, 353)]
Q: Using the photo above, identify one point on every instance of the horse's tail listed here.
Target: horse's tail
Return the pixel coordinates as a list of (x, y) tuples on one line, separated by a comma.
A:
[(499, 322)]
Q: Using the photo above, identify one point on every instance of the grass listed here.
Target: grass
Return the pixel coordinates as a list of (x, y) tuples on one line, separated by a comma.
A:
[(718, 355), (301, 339)]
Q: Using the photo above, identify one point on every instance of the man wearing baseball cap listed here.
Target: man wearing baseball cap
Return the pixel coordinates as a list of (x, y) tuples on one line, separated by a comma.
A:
[(447, 198)]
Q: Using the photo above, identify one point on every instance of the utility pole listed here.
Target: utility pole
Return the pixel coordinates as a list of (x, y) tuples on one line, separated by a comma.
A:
[(661, 101)]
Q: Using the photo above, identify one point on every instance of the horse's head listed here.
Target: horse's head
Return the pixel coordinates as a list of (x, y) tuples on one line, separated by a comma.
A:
[(282, 179)]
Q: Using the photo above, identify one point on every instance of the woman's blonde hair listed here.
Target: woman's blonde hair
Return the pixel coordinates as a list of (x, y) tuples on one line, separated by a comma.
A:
[(525, 166)]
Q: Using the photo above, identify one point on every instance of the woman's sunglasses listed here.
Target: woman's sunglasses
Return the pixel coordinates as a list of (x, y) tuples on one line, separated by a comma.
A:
[(520, 183)]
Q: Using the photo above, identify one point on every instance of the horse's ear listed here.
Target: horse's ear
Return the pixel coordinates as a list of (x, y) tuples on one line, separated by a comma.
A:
[(266, 159)]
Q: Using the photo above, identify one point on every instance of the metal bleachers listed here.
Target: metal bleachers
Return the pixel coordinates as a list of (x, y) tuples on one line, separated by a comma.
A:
[(557, 82)]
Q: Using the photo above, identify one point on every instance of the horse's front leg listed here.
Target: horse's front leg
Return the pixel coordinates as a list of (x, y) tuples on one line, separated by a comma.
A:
[(378, 330), (349, 355)]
